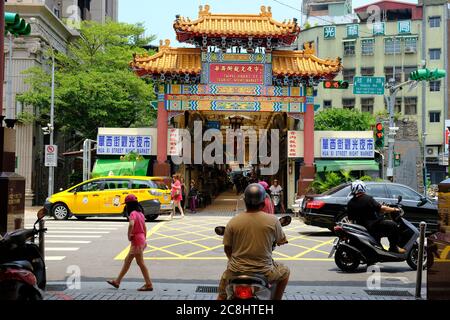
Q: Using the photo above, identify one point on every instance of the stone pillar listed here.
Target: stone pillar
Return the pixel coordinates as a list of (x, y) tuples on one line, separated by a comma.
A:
[(24, 153), (307, 170), (161, 167)]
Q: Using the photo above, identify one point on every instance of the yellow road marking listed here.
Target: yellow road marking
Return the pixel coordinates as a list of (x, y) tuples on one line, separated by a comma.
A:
[(313, 248), (200, 251), (124, 253), (303, 247), (225, 258)]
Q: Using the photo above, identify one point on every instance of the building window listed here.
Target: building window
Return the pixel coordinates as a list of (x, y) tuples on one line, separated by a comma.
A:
[(349, 74), (410, 44), (327, 104), (368, 72), (367, 105), (435, 22), (435, 86), (392, 46), (397, 106), (367, 47), (407, 71), (435, 116), (348, 103), (389, 72), (57, 12), (410, 105), (435, 54), (349, 48)]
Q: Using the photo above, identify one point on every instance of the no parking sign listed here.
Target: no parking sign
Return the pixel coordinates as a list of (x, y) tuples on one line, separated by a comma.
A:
[(51, 156)]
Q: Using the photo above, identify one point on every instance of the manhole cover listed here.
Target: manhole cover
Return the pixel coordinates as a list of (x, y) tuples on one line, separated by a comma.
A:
[(393, 293), (205, 289)]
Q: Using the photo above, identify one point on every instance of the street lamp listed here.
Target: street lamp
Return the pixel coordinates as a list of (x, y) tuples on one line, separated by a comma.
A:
[(425, 191), (51, 126)]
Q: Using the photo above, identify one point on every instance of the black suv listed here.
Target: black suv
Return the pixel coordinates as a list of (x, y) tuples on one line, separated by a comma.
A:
[(327, 209)]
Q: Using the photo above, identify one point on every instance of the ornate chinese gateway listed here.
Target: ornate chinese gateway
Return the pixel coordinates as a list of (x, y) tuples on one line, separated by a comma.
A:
[(236, 67)]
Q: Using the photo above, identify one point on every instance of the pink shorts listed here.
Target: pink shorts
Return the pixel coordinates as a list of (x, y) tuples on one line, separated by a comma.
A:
[(137, 249)]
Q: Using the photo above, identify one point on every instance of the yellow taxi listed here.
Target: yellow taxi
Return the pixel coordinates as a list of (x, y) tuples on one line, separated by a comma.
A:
[(105, 197)]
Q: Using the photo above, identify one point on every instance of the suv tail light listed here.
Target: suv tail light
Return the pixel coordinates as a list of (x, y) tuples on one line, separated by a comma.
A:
[(315, 204), (243, 292)]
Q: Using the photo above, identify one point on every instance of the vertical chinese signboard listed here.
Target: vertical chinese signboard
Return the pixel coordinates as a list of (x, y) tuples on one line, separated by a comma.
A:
[(293, 144), (174, 144)]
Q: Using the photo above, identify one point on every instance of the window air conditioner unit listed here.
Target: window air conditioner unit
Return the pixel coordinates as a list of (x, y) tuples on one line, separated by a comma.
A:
[(432, 152), (410, 50)]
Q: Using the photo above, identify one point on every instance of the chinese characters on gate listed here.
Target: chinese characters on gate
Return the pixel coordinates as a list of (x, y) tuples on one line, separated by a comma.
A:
[(347, 148), (236, 73), (121, 145)]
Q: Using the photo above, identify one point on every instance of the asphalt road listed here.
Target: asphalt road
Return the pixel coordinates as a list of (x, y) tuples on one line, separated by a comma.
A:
[(188, 251)]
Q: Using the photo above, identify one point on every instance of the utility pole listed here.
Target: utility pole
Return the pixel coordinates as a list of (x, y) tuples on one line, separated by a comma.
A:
[(51, 169)]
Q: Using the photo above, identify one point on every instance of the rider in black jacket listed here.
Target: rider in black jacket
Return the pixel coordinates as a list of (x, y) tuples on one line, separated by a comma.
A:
[(365, 211)]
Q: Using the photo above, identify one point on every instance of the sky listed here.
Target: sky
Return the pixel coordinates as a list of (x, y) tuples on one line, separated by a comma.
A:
[(158, 15)]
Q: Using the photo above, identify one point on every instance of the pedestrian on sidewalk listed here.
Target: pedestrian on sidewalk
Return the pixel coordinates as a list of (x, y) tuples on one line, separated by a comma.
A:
[(137, 234), (176, 196), (193, 194)]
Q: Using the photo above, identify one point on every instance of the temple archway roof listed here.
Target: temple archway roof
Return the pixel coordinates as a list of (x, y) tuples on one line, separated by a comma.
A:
[(241, 26), (301, 63)]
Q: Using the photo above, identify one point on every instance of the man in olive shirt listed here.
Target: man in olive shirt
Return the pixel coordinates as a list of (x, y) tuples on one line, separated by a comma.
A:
[(248, 242)]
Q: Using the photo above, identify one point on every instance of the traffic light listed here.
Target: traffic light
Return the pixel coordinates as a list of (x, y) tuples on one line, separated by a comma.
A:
[(427, 75), (379, 136), (397, 159), (16, 25), (335, 84)]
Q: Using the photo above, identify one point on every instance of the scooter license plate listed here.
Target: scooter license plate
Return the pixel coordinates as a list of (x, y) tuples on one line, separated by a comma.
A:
[(333, 250)]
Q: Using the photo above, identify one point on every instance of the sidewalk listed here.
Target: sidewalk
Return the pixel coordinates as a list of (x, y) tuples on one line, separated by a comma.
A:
[(183, 291)]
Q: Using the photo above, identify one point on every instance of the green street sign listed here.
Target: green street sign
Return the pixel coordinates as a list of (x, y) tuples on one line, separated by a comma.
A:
[(368, 85), (16, 25)]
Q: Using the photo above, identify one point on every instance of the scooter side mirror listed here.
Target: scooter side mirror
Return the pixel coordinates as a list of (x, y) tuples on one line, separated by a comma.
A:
[(422, 202), (220, 231), (285, 221), (41, 214)]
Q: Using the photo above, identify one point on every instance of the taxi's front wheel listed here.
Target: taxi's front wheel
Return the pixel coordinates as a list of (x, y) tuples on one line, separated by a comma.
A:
[(60, 211)]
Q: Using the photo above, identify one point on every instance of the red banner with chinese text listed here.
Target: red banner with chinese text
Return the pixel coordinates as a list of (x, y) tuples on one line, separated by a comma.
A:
[(236, 73)]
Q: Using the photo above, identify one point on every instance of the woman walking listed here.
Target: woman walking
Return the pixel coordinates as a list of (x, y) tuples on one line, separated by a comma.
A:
[(137, 233), (176, 196)]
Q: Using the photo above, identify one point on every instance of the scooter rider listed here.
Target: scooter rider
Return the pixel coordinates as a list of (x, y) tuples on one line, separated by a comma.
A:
[(365, 211), (248, 242)]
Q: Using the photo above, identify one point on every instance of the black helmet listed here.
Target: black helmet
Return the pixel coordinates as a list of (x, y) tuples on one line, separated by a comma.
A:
[(254, 195)]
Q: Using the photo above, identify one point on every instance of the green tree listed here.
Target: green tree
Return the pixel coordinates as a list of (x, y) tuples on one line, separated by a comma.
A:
[(94, 84), (336, 119)]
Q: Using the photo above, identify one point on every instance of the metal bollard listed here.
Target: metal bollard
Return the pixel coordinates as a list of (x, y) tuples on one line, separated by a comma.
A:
[(423, 227), (41, 238)]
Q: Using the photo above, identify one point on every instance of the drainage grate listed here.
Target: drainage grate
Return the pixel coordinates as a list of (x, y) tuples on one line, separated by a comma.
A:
[(392, 293), (55, 287), (205, 289)]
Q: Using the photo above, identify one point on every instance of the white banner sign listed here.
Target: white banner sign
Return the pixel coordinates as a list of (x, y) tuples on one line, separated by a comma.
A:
[(124, 144), (51, 156), (347, 148)]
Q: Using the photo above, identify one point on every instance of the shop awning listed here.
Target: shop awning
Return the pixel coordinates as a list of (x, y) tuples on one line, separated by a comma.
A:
[(107, 167), (349, 165)]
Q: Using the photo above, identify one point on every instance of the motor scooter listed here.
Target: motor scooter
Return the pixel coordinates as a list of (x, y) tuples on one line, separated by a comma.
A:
[(251, 286), (355, 245), (22, 267)]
